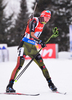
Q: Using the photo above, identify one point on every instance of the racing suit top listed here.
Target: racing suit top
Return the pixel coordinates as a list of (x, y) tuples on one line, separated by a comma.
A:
[(33, 26)]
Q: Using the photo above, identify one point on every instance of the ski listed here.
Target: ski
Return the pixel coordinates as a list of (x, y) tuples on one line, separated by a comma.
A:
[(64, 93), (20, 94)]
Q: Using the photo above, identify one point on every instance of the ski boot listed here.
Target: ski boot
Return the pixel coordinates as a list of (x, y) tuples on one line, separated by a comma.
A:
[(51, 85), (9, 88)]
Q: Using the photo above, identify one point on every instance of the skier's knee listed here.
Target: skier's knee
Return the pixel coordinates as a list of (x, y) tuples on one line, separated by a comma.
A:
[(38, 57), (20, 67), (22, 59), (43, 67)]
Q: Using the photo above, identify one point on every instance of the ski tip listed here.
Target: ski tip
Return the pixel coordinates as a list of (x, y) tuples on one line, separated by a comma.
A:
[(61, 92), (15, 80), (38, 94)]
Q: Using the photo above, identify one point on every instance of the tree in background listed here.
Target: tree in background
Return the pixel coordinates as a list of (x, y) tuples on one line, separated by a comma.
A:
[(20, 24), (61, 18), (4, 24)]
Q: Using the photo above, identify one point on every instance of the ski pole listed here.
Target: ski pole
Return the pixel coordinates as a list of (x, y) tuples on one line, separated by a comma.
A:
[(54, 35)]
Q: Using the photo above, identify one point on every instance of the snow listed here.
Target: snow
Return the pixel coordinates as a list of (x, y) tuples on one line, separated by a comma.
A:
[(13, 6), (32, 81)]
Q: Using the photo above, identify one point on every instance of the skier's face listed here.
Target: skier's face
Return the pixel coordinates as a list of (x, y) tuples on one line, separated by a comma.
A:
[(46, 19)]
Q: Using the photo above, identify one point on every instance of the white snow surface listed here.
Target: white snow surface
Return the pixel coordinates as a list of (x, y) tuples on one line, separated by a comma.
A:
[(32, 81)]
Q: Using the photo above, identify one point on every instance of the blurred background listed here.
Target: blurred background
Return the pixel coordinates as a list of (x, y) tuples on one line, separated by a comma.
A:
[(14, 15)]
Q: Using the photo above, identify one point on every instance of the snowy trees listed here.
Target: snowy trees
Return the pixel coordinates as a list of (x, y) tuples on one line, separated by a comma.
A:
[(4, 24), (11, 34), (21, 22)]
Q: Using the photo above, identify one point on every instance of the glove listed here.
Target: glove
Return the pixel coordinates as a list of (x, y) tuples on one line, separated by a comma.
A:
[(42, 43)]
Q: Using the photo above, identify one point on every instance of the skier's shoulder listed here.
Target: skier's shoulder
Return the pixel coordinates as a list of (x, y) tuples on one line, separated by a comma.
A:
[(35, 19)]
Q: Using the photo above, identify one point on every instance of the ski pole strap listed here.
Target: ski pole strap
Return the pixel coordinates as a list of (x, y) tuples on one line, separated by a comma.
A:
[(55, 31), (54, 35)]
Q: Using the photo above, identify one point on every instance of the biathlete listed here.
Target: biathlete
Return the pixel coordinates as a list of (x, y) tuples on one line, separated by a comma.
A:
[(27, 47)]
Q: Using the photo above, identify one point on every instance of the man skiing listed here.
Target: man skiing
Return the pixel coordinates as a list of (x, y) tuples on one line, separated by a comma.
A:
[(27, 47)]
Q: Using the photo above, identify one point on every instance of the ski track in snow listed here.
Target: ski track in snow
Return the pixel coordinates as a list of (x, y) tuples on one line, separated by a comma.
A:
[(32, 81)]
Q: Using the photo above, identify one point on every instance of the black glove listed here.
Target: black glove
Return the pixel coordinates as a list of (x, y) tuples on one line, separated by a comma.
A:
[(42, 43)]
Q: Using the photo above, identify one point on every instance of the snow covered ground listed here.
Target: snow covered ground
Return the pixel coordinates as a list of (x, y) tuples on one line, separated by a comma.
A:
[(32, 81)]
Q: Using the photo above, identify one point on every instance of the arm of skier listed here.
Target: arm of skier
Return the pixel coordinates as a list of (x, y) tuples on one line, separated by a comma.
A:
[(32, 29), (33, 36), (38, 40)]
